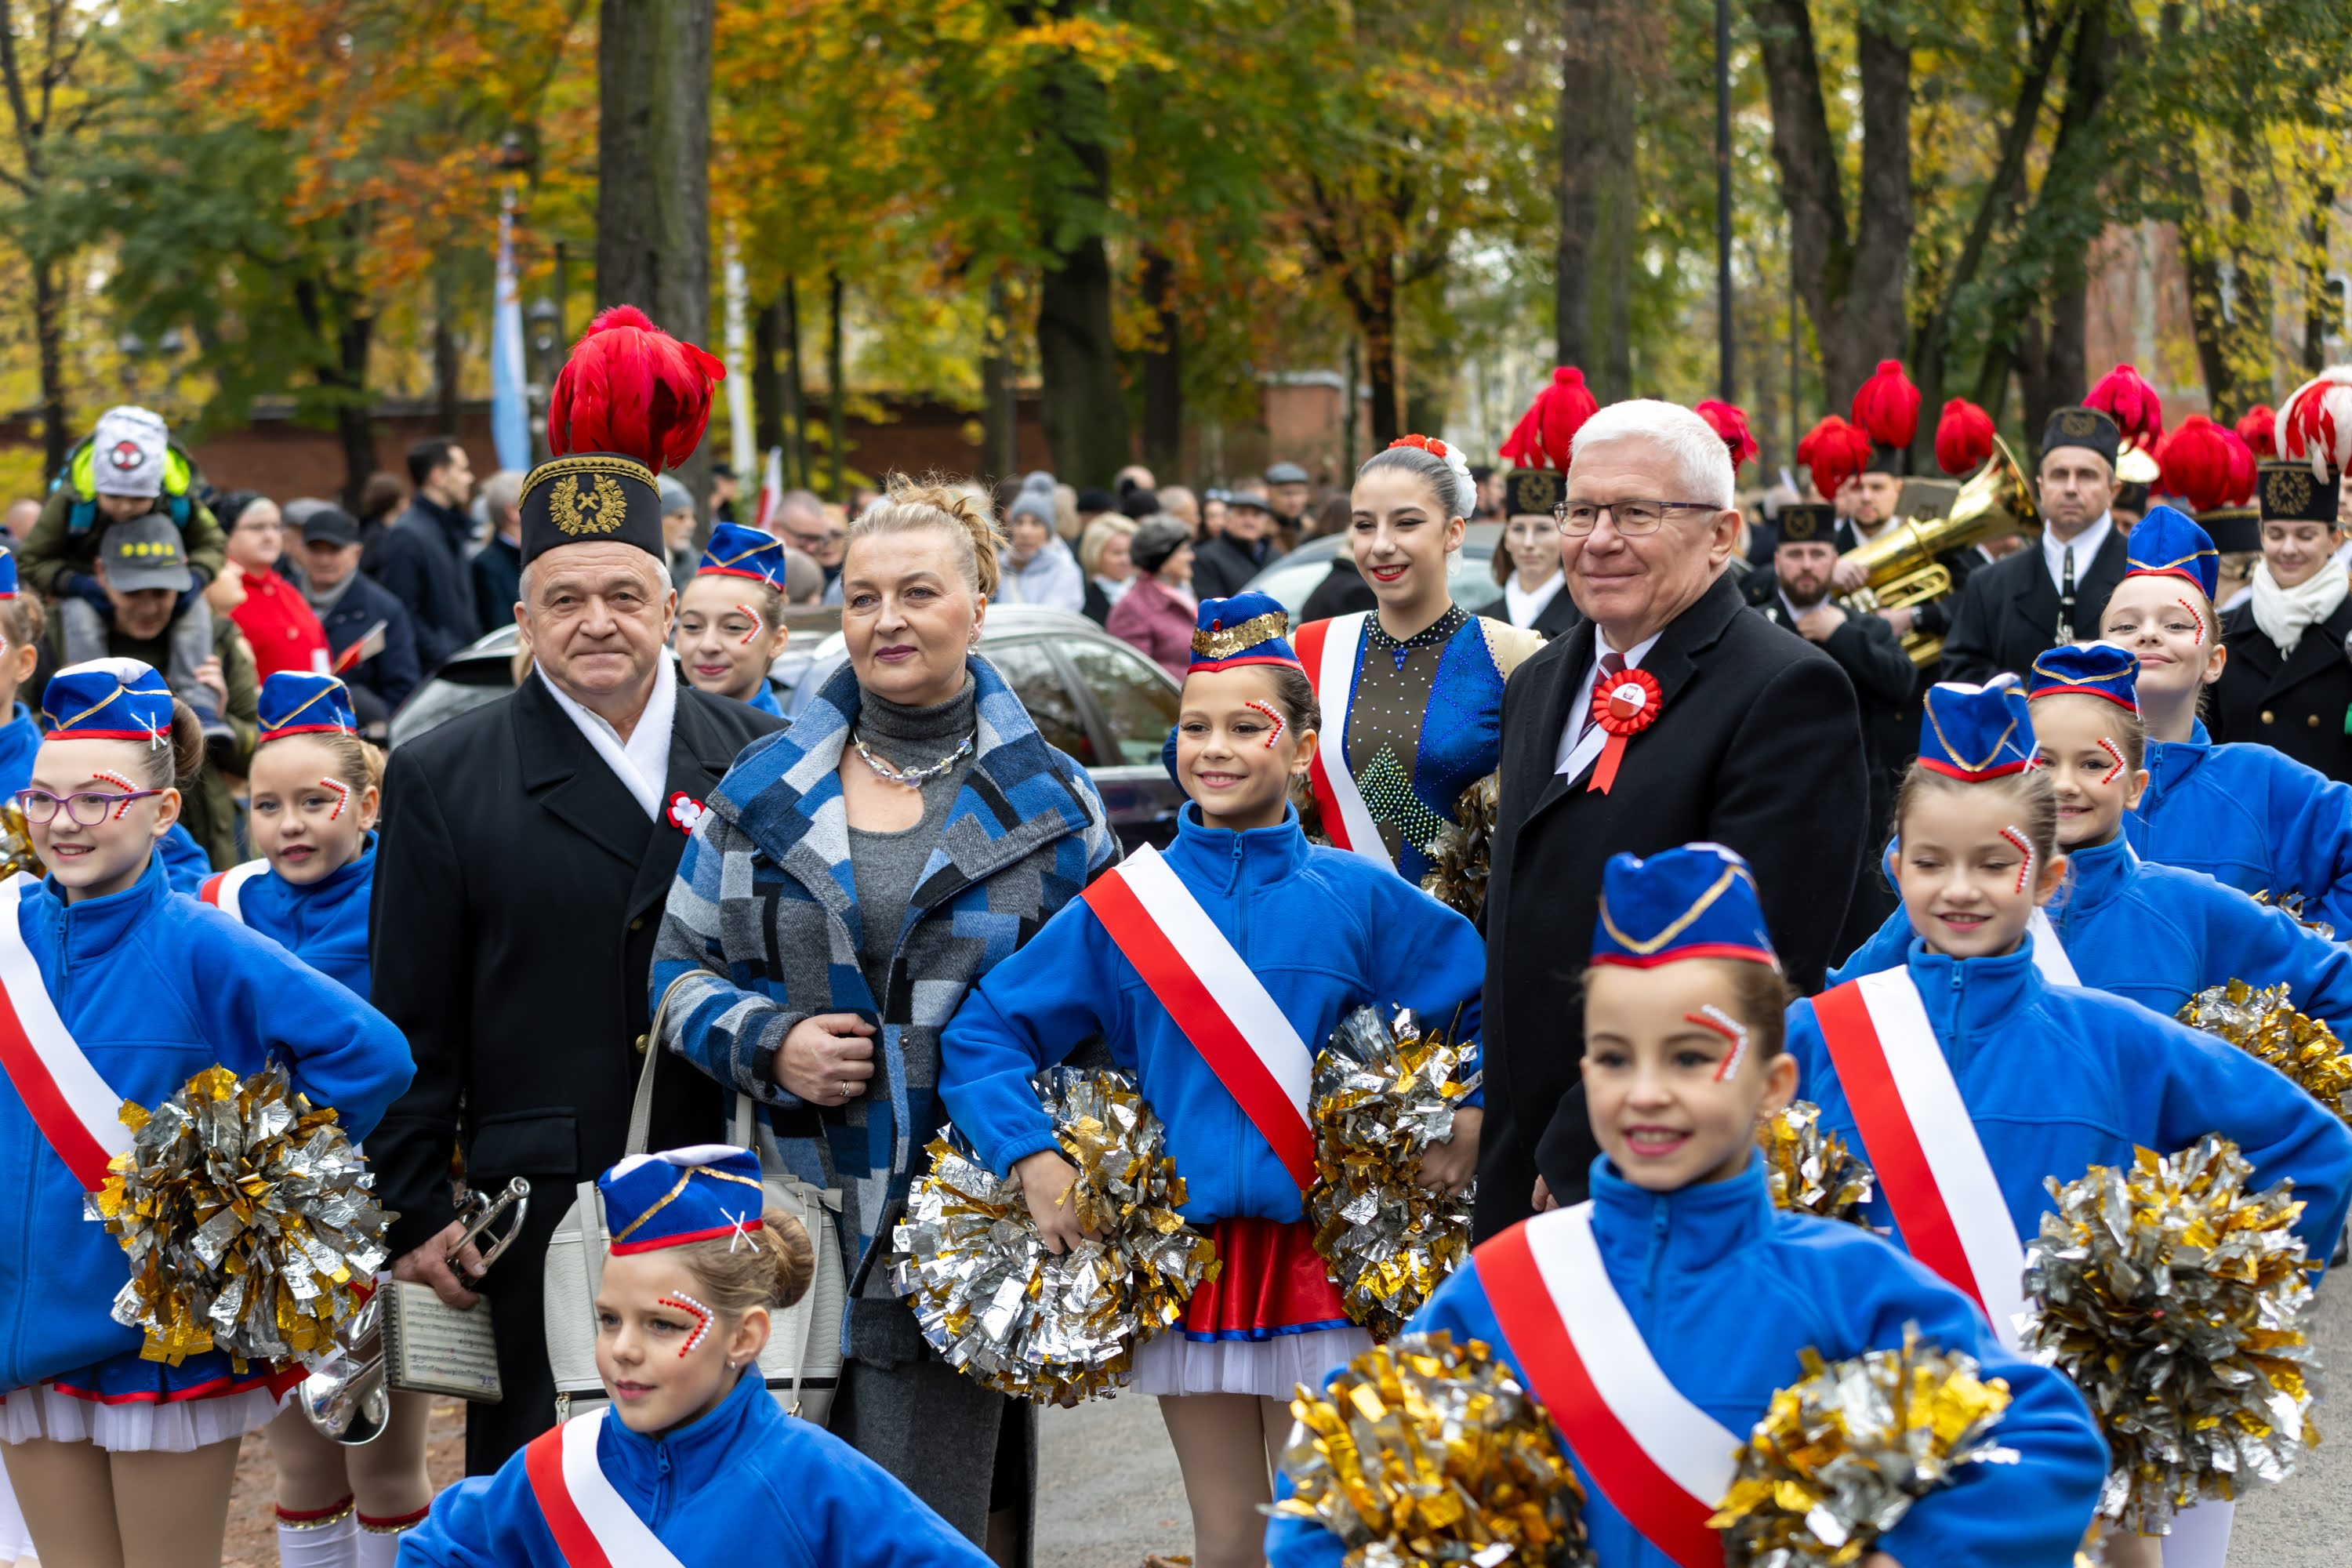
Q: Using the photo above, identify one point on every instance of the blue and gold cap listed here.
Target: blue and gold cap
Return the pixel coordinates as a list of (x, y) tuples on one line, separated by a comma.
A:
[(108, 699), (681, 1196), (739, 551), (297, 702), (1248, 628), (2088, 669), (1697, 901), (1977, 732), (2168, 543)]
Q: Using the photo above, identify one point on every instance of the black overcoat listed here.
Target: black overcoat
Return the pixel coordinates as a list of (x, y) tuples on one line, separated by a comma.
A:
[(2295, 701), (2008, 614), (1757, 746), (519, 889)]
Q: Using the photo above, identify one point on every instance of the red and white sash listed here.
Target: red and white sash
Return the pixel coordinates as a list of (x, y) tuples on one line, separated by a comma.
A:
[(2048, 953), (1918, 1137), (1660, 1460), (1222, 1008), (224, 889), (1329, 649), (75, 1108), (593, 1525)]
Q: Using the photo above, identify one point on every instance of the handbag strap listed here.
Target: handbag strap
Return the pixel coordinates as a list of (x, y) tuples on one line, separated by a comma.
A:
[(641, 1107), (591, 1239)]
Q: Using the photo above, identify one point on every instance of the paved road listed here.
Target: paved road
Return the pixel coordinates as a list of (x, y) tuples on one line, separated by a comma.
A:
[(1110, 1493)]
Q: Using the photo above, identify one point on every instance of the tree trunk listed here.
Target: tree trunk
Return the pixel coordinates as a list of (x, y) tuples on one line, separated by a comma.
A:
[(1163, 380), (354, 425), (48, 333), (767, 388), (999, 453), (2323, 304), (652, 170), (2050, 356), (1077, 353), (797, 458), (1599, 207), (1376, 313), (835, 388)]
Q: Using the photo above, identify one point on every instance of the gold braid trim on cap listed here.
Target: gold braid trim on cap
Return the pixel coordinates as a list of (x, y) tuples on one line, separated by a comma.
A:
[(1231, 640)]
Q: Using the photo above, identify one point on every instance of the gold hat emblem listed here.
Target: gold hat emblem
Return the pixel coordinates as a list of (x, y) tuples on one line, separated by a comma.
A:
[(2077, 422), (2287, 492), (593, 511)]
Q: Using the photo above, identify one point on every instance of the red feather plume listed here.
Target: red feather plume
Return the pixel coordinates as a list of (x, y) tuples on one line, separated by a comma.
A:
[(1730, 421), (1835, 451), (1887, 406), (630, 387), (2207, 465), (2258, 428), (2315, 424), (1546, 432), (2132, 403), (1963, 438)]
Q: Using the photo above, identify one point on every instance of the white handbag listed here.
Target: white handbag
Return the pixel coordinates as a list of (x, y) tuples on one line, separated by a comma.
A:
[(803, 1361)]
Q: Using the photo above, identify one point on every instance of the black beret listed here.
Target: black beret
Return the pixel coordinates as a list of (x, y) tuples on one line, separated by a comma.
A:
[(590, 498), (1533, 493)]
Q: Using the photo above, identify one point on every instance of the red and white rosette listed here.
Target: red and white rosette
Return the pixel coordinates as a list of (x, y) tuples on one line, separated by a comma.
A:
[(1623, 704)]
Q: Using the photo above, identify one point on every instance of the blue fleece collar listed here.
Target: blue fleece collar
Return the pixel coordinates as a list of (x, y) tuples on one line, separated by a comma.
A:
[(1259, 855), (1685, 1231)]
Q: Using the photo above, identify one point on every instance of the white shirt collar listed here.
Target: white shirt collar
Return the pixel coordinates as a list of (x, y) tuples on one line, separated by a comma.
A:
[(2085, 544), (642, 762), (1525, 604)]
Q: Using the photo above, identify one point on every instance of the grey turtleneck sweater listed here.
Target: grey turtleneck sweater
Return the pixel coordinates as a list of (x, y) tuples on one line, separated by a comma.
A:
[(887, 865)]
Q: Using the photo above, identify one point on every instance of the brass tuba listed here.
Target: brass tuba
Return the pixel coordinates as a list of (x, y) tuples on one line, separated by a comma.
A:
[(1996, 502)]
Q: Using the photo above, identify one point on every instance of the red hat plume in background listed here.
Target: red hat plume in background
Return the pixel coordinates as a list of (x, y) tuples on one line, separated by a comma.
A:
[(1963, 438), (630, 387), (2258, 428), (2315, 424), (2132, 403), (1546, 431), (2207, 465), (1835, 451), (1887, 406), (1730, 421)]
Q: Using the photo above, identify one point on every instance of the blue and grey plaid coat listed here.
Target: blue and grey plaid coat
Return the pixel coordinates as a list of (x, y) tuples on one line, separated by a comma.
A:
[(765, 907)]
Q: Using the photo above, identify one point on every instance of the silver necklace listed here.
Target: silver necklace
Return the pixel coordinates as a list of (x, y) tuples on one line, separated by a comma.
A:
[(913, 778)]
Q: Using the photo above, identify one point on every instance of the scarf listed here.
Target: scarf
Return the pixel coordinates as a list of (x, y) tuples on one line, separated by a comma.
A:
[(2283, 613)]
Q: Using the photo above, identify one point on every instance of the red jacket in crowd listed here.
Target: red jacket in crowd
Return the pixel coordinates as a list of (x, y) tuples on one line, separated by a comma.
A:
[(277, 621)]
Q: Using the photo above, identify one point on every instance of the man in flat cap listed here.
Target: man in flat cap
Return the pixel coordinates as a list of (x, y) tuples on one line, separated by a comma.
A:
[(2029, 602)]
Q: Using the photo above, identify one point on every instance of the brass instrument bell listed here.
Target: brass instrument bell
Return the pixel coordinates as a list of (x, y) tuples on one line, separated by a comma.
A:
[(1901, 564)]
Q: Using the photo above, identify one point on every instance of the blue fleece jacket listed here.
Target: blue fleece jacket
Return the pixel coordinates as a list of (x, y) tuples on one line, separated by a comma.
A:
[(2058, 1080), (2159, 934), (1726, 1292), (1324, 930), (184, 860), (156, 987), (745, 1483), (2250, 816), (323, 923)]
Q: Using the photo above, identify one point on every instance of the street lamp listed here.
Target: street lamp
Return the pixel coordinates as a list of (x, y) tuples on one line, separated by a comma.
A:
[(546, 320)]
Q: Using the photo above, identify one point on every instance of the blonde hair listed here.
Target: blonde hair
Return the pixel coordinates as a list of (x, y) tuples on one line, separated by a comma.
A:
[(357, 763), (937, 505), (1098, 535), (772, 1270)]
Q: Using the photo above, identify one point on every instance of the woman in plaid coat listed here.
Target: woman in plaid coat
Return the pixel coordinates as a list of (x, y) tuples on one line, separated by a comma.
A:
[(853, 876)]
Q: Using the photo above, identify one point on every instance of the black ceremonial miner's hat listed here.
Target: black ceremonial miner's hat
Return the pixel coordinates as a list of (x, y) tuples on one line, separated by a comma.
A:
[(1807, 523), (588, 496)]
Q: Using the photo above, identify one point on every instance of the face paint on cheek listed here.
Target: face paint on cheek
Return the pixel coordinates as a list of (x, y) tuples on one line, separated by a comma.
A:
[(2024, 846), (701, 1313), (1711, 1017), (2194, 616), (1279, 725), (2112, 774), (342, 796), (128, 788), (757, 626)]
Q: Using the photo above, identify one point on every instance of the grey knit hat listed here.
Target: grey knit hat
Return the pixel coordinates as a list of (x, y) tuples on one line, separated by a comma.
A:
[(1035, 500)]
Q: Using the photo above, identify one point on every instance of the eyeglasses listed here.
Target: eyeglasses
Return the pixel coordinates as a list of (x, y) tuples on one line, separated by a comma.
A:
[(1631, 517), (87, 807)]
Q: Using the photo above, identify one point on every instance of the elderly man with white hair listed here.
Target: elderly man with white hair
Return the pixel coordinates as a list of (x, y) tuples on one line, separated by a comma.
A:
[(1664, 714)]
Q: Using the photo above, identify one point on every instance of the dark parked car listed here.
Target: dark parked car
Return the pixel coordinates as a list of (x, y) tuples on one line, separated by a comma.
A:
[(1090, 694)]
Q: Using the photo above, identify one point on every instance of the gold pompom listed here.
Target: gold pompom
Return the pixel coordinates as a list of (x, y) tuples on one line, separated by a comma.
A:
[(1839, 1458), (1426, 1451), (1463, 851), (1383, 1093), (2264, 1025), (248, 1218), (2293, 903), (16, 852), (1053, 1328), (2177, 1299), (1813, 1171)]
